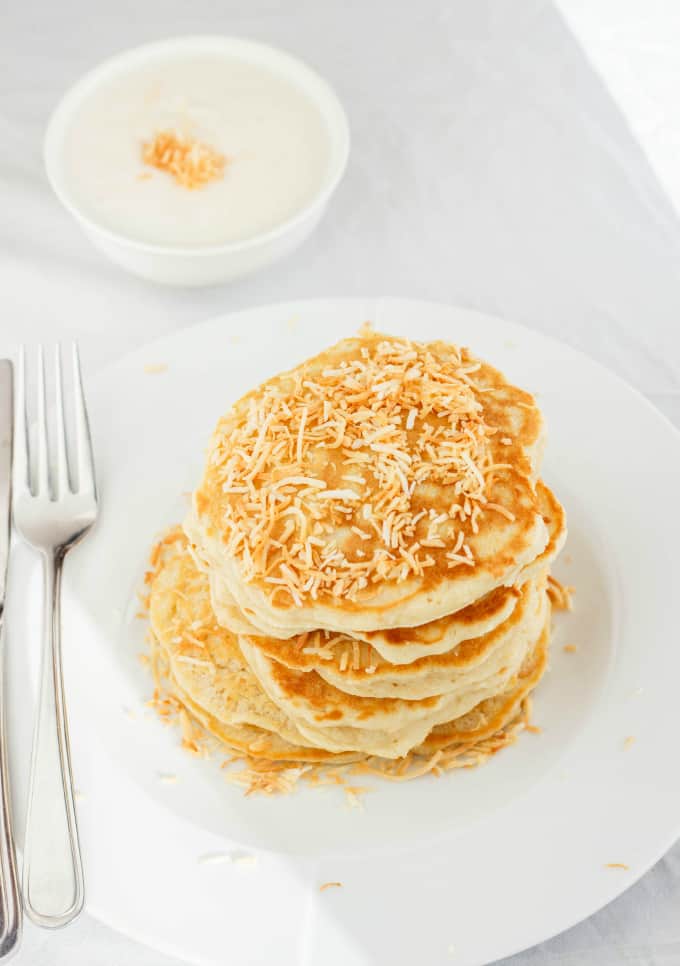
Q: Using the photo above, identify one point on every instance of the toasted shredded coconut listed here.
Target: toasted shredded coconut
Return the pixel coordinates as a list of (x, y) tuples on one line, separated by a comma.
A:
[(185, 659), (617, 865), (560, 595), (329, 885), (570, 648), (401, 419), (353, 795), (190, 162), (629, 742)]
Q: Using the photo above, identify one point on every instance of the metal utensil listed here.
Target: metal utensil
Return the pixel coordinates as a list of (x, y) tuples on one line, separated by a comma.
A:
[(54, 508), (10, 904)]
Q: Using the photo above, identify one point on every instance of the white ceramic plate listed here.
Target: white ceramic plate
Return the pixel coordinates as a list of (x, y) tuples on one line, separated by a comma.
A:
[(465, 868)]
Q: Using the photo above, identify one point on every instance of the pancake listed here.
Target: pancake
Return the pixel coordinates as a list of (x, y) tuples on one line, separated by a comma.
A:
[(358, 669), (400, 645), (456, 671), (204, 660), (254, 742), (404, 645), (389, 727), (211, 678), (364, 575), (382, 484), (500, 552), (495, 713), (555, 519)]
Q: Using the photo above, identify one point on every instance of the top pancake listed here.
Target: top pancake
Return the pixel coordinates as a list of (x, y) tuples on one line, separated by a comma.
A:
[(383, 483), (402, 645)]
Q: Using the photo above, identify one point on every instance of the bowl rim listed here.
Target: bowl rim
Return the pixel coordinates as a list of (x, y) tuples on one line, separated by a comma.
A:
[(307, 79)]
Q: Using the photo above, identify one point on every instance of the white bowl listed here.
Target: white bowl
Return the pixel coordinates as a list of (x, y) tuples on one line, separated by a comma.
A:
[(202, 264)]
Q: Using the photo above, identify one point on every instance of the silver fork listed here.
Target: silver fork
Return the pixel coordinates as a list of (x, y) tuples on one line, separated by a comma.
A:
[(53, 509)]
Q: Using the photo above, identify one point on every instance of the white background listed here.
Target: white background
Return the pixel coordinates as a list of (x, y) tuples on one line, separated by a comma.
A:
[(501, 160)]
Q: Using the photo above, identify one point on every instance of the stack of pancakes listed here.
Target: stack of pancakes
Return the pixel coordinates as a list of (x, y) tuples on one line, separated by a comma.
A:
[(364, 571)]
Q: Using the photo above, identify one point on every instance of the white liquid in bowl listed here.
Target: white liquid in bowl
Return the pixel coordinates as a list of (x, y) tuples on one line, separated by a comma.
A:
[(273, 134)]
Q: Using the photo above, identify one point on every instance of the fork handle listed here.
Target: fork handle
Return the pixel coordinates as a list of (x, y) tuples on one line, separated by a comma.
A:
[(53, 871), (10, 902)]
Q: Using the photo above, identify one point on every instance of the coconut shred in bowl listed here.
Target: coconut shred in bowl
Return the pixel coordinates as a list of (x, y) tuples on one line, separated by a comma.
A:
[(197, 149)]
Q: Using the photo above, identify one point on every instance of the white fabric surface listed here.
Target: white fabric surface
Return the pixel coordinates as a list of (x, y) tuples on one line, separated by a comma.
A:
[(634, 47), (490, 167)]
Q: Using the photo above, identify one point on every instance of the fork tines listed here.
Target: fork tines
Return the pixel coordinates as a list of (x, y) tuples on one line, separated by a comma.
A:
[(46, 473)]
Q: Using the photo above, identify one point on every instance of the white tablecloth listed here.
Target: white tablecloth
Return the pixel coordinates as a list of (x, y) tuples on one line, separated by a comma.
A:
[(491, 167)]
